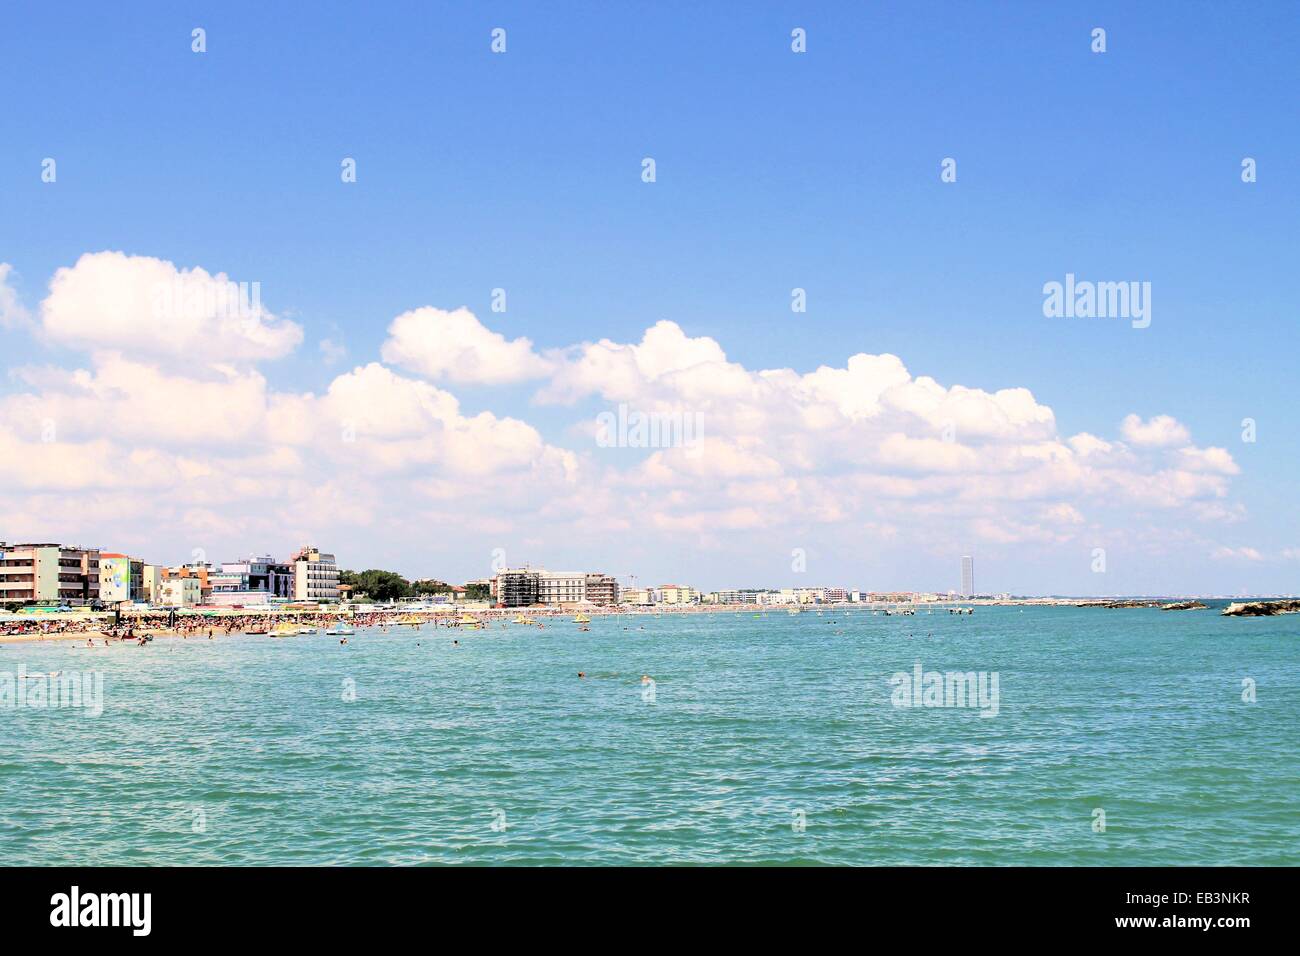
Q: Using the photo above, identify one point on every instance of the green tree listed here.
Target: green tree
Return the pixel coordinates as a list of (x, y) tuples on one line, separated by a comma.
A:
[(382, 586), (430, 586)]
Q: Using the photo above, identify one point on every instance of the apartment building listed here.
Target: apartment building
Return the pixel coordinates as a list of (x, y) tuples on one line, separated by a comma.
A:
[(181, 592), (121, 578), (636, 596), (561, 587), (199, 571), (315, 575), (602, 589), (151, 583), (252, 581), (523, 587), (48, 572), (518, 587), (675, 594)]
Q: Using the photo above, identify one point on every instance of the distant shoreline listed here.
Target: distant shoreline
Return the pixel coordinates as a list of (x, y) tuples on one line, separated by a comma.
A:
[(231, 622)]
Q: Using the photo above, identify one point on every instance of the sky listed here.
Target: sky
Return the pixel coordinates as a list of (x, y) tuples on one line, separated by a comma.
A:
[(419, 379)]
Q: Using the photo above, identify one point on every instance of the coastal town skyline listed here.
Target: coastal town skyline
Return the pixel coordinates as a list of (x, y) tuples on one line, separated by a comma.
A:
[(671, 344), (50, 573)]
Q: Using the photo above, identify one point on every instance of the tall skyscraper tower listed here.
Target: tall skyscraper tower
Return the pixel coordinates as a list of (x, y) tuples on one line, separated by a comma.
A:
[(967, 575)]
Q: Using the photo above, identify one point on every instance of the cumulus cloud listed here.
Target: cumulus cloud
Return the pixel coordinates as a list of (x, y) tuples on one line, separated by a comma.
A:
[(1160, 431), (150, 307), (456, 347), (862, 447), (1212, 459)]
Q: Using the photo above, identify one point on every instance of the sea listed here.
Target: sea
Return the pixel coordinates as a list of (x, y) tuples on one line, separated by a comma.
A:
[(1041, 736)]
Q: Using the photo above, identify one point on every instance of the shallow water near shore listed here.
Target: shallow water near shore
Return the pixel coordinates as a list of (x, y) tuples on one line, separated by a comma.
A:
[(768, 740)]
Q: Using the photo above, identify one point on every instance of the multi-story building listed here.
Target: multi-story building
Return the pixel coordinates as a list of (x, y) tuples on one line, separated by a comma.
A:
[(675, 594), (251, 581), (561, 587), (121, 578), (807, 595), (967, 575), (636, 596), (516, 588), (150, 583), (744, 596), (48, 572), (523, 587), (315, 576), (834, 595), (181, 591), (199, 570), (602, 589)]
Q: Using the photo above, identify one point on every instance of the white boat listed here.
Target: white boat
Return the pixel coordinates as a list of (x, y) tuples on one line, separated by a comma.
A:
[(342, 631)]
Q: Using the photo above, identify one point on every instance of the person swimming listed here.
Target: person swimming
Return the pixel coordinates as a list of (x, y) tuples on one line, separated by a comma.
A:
[(582, 673)]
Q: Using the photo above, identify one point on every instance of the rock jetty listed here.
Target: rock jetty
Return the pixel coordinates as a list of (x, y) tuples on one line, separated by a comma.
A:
[(1128, 603), (1261, 608)]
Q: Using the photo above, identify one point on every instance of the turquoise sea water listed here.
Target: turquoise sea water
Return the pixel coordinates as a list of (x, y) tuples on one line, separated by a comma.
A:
[(769, 740)]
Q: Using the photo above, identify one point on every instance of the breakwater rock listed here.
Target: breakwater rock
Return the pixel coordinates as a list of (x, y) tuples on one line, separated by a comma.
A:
[(1128, 603), (1261, 608)]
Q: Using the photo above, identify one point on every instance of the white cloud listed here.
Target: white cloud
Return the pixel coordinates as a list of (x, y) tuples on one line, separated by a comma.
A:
[(1236, 554), (1161, 431), (210, 447), (457, 347), (149, 307), (1216, 460)]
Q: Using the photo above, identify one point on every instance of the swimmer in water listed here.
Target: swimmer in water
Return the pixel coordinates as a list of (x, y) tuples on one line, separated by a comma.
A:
[(582, 673)]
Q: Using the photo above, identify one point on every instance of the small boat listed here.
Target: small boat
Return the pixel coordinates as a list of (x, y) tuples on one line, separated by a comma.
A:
[(520, 619), (264, 629), (341, 631), (306, 629), (581, 618), (285, 630), (468, 620)]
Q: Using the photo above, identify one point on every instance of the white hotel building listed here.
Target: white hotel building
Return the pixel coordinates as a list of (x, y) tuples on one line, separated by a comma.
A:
[(315, 576)]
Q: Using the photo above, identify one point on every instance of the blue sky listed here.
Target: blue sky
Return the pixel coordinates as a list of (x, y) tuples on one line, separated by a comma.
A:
[(774, 170)]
